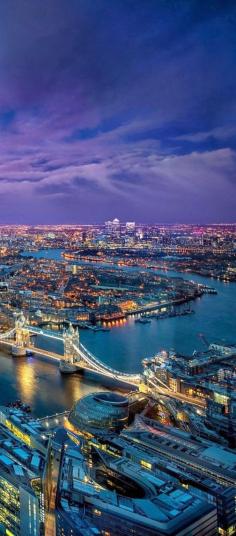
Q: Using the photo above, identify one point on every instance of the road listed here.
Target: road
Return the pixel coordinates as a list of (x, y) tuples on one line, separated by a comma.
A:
[(177, 396), (159, 390)]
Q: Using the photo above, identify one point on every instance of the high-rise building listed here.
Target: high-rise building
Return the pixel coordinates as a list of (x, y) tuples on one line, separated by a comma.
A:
[(113, 228), (21, 497), (19, 502), (130, 228)]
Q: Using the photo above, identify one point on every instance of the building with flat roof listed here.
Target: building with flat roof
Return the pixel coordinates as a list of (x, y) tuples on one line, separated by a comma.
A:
[(21, 497), (23, 427), (204, 467), (114, 495)]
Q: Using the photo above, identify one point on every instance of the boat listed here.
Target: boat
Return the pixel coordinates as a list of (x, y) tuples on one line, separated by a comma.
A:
[(66, 367), (29, 353), (99, 328), (208, 290), (143, 320), (18, 351), (18, 404)]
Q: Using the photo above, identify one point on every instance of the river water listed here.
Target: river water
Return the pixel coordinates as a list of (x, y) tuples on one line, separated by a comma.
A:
[(39, 383)]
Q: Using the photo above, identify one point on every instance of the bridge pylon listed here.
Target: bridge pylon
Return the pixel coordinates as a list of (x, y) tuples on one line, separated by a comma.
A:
[(70, 339), (22, 336)]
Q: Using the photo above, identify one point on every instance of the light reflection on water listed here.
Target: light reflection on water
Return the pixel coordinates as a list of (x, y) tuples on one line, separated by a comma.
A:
[(26, 381), (40, 384), (124, 347)]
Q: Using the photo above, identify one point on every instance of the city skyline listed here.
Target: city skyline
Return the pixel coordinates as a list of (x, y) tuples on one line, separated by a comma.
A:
[(125, 110), (117, 268), (118, 380)]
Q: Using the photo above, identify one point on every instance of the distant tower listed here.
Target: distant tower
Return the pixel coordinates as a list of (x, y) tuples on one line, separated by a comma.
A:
[(113, 228), (130, 227)]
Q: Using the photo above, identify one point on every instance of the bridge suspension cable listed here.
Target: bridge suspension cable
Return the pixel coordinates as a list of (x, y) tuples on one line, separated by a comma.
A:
[(93, 362), (101, 367), (8, 334)]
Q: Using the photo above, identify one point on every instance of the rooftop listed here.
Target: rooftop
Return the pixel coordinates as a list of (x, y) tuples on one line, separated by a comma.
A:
[(164, 506)]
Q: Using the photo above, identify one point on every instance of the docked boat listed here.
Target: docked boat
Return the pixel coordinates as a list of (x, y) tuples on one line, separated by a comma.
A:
[(18, 404), (18, 351), (66, 367)]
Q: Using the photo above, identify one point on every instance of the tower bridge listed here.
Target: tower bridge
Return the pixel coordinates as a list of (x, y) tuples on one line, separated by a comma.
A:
[(76, 355)]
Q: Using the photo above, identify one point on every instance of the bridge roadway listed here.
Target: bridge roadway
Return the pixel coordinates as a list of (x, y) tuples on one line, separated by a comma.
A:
[(158, 390), (92, 363), (89, 362), (37, 351), (198, 402)]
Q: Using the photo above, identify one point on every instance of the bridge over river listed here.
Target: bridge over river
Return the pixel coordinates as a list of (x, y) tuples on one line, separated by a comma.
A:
[(76, 355), (77, 358)]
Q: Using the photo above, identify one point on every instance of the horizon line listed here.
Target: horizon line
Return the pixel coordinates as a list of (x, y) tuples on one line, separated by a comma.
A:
[(121, 222)]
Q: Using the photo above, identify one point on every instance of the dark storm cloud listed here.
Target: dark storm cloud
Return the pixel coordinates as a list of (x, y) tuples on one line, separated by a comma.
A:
[(129, 103)]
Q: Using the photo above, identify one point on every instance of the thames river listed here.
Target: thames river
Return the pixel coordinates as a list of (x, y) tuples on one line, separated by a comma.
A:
[(40, 384)]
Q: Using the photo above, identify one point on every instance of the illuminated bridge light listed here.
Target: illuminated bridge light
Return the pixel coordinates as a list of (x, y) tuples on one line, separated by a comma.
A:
[(91, 362)]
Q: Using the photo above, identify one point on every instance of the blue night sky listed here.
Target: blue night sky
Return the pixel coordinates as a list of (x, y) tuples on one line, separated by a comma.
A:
[(117, 108)]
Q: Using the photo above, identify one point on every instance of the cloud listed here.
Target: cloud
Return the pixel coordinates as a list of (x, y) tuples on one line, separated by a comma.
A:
[(122, 105), (222, 133)]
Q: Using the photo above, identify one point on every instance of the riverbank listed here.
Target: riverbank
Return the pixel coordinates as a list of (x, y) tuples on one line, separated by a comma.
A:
[(127, 343), (39, 383), (61, 255)]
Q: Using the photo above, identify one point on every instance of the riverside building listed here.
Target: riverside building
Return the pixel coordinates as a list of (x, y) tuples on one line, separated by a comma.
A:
[(205, 468), (106, 494), (97, 476), (92, 486), (21, 494)]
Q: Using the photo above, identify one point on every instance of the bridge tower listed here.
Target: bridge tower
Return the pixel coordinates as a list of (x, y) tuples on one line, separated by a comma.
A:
[(22, 336), (71, 339)]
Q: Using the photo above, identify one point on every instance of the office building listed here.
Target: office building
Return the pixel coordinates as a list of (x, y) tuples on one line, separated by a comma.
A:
[(100, 411), (101, 493)]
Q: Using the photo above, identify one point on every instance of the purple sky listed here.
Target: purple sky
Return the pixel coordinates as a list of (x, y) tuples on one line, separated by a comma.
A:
[(117, 108)]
